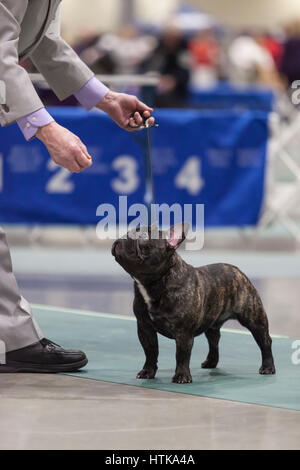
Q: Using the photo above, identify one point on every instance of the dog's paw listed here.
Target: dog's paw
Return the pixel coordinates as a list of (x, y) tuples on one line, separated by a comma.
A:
[(146, 374), (267, 370), (207, 364), (182, 378)]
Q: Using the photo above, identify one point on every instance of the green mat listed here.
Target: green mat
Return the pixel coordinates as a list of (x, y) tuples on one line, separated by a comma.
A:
[(115, 355)]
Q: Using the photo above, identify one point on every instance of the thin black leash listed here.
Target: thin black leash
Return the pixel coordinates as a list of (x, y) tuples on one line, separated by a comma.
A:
[(149, 196), (150, 190)]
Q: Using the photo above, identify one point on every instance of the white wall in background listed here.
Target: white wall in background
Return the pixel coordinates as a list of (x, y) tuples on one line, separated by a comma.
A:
[(243, 13), (96, 15), (104, 15), (157, 11)]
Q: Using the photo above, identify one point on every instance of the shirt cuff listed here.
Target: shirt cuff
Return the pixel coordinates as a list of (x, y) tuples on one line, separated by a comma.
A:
[(91, 93), (30, 123)]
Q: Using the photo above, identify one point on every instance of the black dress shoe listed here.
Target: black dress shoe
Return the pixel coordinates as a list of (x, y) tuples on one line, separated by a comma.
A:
[(44, 356)]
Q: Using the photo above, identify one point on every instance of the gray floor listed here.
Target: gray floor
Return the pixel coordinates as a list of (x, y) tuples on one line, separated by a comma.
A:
[(60, 412), (50, 412)]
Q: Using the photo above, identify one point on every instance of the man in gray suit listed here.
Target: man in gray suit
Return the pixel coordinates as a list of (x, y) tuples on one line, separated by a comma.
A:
[(31, 28)]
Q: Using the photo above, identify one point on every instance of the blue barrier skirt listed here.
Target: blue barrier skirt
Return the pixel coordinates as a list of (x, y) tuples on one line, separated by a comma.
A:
[(199, 157), (226, 96)]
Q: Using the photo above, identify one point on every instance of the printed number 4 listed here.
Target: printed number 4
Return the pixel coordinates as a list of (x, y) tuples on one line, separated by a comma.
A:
[(189, 177)]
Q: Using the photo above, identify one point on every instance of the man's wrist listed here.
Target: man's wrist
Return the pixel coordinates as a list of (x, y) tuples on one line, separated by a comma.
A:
[(43, 132), (107, 101), (31, 123), (91, 93)]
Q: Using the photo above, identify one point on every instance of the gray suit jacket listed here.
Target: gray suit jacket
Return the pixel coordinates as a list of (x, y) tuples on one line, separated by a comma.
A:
[(31, 28)]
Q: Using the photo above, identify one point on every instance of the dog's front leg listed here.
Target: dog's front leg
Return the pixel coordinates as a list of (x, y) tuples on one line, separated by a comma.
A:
[(184, 345), (148, 339)]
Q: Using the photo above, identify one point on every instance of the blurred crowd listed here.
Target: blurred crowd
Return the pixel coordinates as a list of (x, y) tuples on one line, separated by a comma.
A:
[(197, 61)]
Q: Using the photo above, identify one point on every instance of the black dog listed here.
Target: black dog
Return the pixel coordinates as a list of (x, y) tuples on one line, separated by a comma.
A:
[(181, 302)]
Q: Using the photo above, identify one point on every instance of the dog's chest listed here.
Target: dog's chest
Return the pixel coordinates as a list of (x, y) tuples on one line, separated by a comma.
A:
[(144, 294), (163, 323)]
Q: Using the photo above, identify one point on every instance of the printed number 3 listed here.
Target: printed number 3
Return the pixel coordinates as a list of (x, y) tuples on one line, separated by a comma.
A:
[(128, 180)]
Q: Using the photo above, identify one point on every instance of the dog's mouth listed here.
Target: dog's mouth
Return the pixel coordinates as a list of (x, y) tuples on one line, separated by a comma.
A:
[(118, 249)]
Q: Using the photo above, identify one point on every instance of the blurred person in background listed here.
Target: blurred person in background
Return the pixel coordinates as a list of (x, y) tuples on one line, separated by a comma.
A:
[(205, 55), (32, 29), (290, 62), (99, 61), (274, 46), (251, 63), (171, 59), (124, 51), (128, 48)]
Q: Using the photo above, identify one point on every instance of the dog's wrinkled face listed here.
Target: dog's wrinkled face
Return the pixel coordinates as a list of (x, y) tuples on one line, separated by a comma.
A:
[(146, 252)]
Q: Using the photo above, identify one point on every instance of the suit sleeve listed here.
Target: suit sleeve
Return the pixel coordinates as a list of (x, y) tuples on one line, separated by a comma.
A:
[(21, 97), (58, 62)]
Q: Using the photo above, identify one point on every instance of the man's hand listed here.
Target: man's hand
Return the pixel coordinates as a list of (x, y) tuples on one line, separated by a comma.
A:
[(65, 148), (126, 110)]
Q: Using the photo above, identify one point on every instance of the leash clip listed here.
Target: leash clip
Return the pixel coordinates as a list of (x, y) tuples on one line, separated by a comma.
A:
[(147, 125)]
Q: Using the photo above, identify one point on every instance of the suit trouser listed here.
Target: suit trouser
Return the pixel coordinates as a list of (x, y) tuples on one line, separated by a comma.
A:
[(17, 325)]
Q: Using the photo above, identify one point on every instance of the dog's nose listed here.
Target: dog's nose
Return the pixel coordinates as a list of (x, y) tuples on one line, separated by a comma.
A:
[(113, 248)]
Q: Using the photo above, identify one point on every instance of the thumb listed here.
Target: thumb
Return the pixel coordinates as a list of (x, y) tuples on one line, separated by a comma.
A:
[(141, 107)]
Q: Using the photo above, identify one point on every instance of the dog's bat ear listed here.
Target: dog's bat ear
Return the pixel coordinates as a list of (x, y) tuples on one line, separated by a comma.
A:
[(177, 234)]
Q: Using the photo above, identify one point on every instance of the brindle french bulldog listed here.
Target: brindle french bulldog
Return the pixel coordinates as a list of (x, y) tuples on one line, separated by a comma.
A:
[(181, 302)]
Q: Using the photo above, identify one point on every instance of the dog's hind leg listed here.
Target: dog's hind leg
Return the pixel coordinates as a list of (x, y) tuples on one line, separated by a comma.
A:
[(256, 321), (213, 337)]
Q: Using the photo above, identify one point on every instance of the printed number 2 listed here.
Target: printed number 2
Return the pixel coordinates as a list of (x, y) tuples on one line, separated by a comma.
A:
[(189, 177), (128, 179), (59, 183)]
